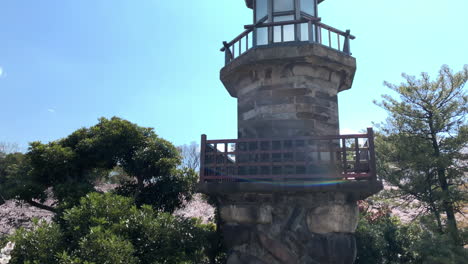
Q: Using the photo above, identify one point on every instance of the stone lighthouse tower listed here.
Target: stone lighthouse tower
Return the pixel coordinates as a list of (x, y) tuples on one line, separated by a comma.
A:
[(287, 188)]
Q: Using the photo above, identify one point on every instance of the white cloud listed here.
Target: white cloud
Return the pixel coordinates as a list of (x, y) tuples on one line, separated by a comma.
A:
[(1, 71), (50, 110)]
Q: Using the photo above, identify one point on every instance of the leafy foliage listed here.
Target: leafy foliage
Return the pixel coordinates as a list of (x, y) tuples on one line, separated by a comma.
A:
[(69, 167), (164, 193), (422, 147), (108, 228), (12, 169), (39, 246), (382, 238)]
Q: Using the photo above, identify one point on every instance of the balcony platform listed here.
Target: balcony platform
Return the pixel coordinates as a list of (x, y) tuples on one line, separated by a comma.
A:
[(358, 190), (335, 163)]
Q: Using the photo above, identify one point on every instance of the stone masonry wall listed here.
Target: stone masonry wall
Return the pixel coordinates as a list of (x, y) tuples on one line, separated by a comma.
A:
[(288, 228), (288, 91)]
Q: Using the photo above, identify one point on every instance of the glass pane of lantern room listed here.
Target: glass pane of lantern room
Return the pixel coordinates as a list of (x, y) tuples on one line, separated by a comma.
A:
[(283, 33), (262, 36), (283, 5), (308, 6), (261, 10)]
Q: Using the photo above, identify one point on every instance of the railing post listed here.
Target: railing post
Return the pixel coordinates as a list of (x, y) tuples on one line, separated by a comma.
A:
[(227, 53), (345, 157), (202, 158), (357, 155), (346, 47), (254, 37), (311, 31), (372, 164), (225, 160)]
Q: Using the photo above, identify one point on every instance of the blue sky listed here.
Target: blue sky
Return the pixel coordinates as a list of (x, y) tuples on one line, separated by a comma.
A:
[(65, 63)]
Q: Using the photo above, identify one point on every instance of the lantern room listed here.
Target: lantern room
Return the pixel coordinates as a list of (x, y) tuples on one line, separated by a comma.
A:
[(277, 22), (266, 11)]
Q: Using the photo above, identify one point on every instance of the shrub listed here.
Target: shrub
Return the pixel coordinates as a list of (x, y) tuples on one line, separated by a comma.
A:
[(384, 239), (108, 228), (39, 245), (104, 247)]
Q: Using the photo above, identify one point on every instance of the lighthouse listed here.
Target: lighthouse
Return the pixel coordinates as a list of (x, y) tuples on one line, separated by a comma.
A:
[(287, 187)]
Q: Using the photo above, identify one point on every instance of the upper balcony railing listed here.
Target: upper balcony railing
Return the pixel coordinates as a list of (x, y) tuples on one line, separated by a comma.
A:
[(324, 158), (304, 30)]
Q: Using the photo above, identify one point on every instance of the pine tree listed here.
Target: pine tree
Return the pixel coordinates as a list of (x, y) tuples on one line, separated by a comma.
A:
[(422, 148)]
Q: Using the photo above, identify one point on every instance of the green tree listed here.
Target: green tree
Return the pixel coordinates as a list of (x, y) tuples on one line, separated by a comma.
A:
[(382, 238), (12, 168), (69, 167), (108, 228), (422, 148), (38, 246)]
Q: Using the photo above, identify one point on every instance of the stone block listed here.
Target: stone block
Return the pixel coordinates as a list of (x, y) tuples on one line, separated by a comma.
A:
[(277, 249), (291, 92), (246, 214), (331, 218), (307, 100), (311, 70), (234, 258), (235, 235), (332, 248), (273, 100), (305, 115)]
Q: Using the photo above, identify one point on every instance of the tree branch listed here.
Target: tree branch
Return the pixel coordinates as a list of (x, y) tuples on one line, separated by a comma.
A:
[(41, 206)]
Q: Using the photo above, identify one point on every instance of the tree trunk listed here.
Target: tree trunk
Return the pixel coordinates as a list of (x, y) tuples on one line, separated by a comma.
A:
[(436, 214), (41, 206), (448, 208), (447, 204)]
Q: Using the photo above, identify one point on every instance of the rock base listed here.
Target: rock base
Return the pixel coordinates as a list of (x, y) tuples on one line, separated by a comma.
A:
[(289, 228)]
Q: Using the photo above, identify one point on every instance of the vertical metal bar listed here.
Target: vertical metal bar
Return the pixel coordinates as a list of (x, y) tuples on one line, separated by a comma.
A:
[(297, 27), (338, 38), (270, 156), (319, 32), (345, 158), (247, 42), (329, 39), (254, 37), (215, 164), (310, 32), (372, 161), (358, 156), (202, 158), (270, 19), (332, 152), (346, 47), (316, 8), (254, 30), (227, 53), (282, 160), (331, 149), (306, 155), (282, 33), (236, 168), (270, 34), (225, 159), (227, 57), (319, 151)]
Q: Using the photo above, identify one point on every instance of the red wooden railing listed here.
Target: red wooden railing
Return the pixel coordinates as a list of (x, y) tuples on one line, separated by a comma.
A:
[(338, 157), (334, 38)]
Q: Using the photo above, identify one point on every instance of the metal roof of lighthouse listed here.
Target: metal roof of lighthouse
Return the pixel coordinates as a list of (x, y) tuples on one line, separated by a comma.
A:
[(249, 3)]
